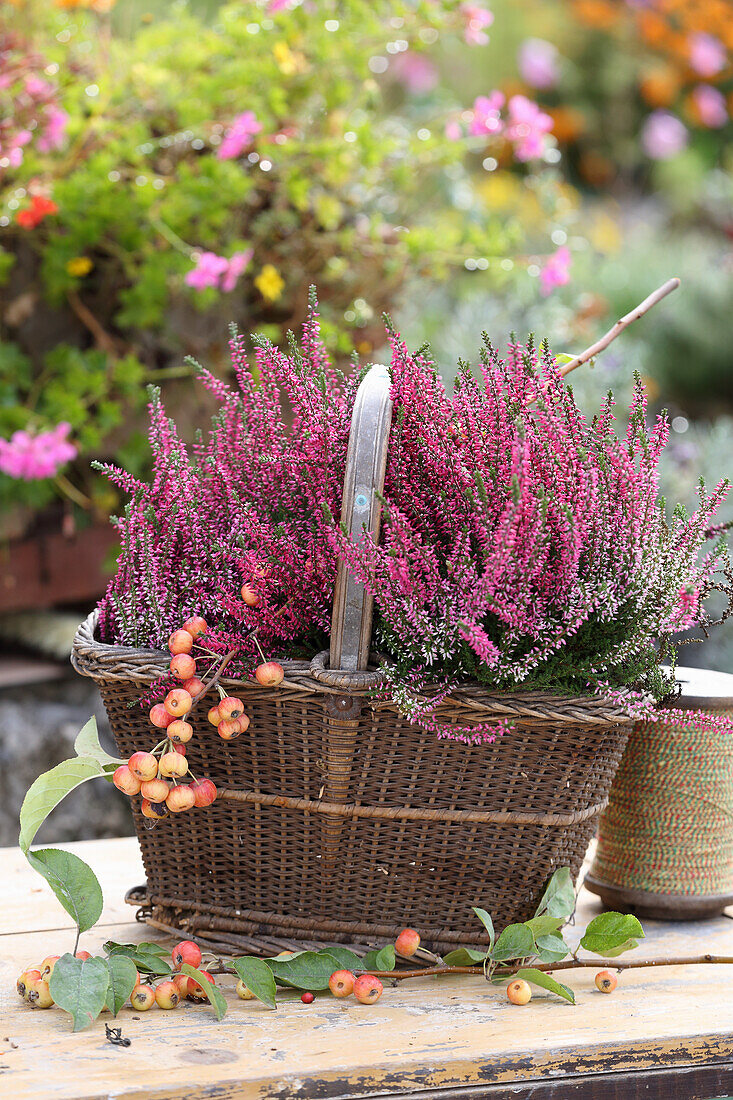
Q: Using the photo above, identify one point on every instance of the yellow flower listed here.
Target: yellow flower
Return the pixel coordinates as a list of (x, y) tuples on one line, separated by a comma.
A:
[(288, 62), (79, 266), (270, 283)]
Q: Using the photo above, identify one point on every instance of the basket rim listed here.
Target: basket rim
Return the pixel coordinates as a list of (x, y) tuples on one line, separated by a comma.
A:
[(470, 701)]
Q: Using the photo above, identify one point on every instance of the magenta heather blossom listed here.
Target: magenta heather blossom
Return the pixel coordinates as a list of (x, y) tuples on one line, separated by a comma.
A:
[(711, 106), (218, 271), (708, 55), (415, 71), (477, 18), (663, 135), (537, 61), (527, 127), (239, 136), (237, 264), (33, 457), (486, 118), (54, 132), (555, 271)]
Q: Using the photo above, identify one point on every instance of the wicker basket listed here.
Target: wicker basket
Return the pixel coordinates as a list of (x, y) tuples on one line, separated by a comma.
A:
[(665, 841), (337, 820)]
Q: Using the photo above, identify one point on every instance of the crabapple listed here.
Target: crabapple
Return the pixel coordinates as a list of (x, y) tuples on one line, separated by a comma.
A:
[(143, 766), (182, 983), (229, 728), (159, 716), (307, 998), (167, 995), (230, 707), (180, 732), (262, 571), (178, 702), (213, 716), (38, 994), (243, 721), (367, 989), (270, 674), (250, 595), (155, 790), (47, 966), (142, 997), (180, 749), (154, 810), (180, 798), (195, 991), (180, 641), (172, 764), (204, 792), (519, 992), (186, 952), (125, 781), (182, 666), (83, 955), (194, 686), (195, 626), (30, 974), (341, 983), (606, 981), (407, 942), (243, 992)]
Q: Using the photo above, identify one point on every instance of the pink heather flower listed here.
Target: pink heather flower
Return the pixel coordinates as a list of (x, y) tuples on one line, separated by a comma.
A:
[(416, 72), (237, 264), (527, 127), (707, 54), (55, 131), (663, 135), (38, 88), (537, 61), (453, 130), (486, 117), (687, 610), (32, 457), (208, 270), (239, 135), (555, 271), (710, 104), (477, 19), (277, 5)]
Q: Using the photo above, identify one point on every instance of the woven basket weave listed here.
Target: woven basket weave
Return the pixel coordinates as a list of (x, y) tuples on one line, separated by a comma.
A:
[(339, 821)]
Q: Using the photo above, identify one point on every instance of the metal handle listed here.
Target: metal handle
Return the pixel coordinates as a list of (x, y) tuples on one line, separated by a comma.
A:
[(361, 510)]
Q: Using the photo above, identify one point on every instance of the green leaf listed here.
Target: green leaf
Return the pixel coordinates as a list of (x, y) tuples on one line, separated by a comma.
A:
[(386, 958), (73, 882), (564, 358), (347, 960), (216, 997), (309, 970), (50, 789), (79, 986), (464, 956), (142, 954), (611, 934), (551, 948), (487, 922), (538, 977), (122, 981), (258, 977), (87, 744), (558, 899), (515, 942), (545, 925)]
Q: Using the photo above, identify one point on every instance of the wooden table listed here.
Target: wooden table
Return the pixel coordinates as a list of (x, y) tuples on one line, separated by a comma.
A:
[(665, 1033)]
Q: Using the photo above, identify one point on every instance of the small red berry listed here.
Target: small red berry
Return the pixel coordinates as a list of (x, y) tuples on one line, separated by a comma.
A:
[(156, 811), (180, 798), (407, 942), (341, 983), (183, 667), (167, 995), (143, 765), (155, 790), (125, 781), (270, 674), (307, 998), (367, 989), (204, 792), (230, 707), (160, 717), (178, 702), (180, 641), (173, 765), (142, 997), (180, 731), (195, 626), (250, 595), (194, 687), (186, 952), (213, 716)]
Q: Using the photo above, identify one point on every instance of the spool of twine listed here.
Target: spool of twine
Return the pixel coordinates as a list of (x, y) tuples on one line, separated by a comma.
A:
[(668, 826)]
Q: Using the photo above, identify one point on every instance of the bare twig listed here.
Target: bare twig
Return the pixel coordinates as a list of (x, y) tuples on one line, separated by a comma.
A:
[(104, 341), (574, 964)]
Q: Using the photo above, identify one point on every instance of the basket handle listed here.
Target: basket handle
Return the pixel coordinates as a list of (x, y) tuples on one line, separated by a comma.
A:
[(361, 511)]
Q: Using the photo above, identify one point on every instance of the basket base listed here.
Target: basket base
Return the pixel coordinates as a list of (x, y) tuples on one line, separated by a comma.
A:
[(645, 903)]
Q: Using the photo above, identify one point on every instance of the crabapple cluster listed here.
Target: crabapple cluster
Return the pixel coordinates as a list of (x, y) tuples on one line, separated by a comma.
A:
[(33, 984)]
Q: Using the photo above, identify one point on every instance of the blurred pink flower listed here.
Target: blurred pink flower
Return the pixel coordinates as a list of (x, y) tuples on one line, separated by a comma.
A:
[(537, 60), (239, 135), (208, 270), (486, 114), (527, 127), (711, 106), (55, 131), (237, 264), (277, 5), (453, 130), (38, 88), (663, 135), (707, 54), (477, 19), (31, 457), (555, 271), (416, 71)]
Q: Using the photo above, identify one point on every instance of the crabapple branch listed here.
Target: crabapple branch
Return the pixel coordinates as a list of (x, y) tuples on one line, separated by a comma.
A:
[(575, 964)]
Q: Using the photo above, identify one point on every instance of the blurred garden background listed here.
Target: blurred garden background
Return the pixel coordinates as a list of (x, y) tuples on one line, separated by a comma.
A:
[(168, 168)]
